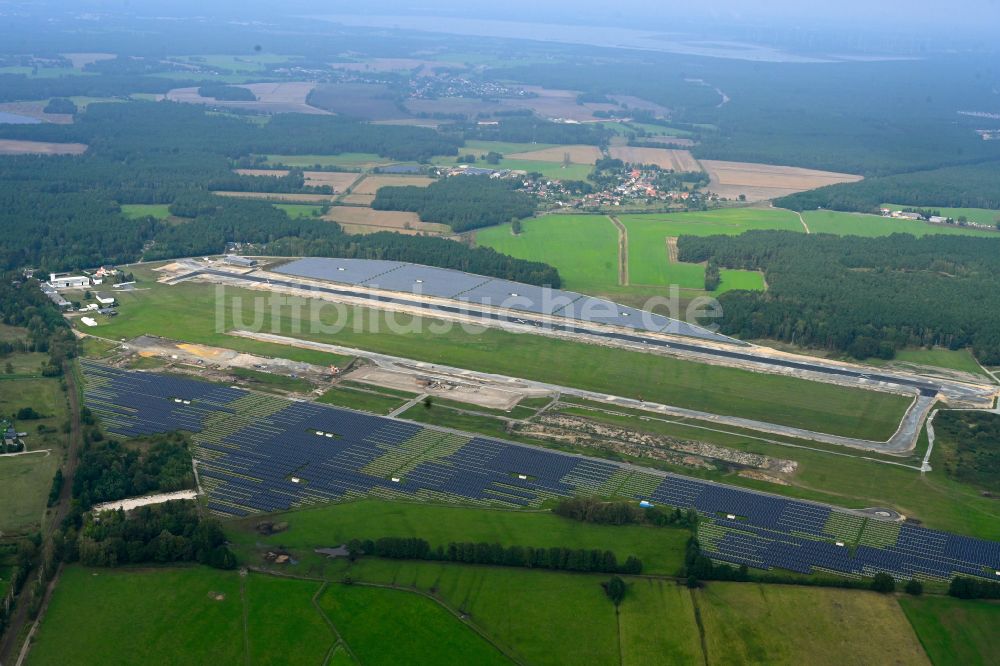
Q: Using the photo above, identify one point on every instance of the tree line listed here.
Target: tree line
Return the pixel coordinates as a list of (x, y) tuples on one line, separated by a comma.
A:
[(462, 202), (863, 296), (557, 558), (595, 510)]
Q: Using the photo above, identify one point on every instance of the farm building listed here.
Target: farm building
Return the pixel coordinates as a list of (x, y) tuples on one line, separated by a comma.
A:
[(55, 297), (236, 260), (66, 281)]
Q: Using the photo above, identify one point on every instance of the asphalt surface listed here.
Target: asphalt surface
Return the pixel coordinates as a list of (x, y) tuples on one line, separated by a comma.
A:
[(924, 387)]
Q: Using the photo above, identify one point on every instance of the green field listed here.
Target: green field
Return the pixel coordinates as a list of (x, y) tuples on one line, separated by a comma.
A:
[(550, 170), (368, 401), (270, 381), (188, 312), (120, 617), (955, 632), (583, 247), (136, 211), (778, 624), (256, 62), (957, 359), (384, 626), (25, 480), (282, 625), (858, 224), (585, 250), (977, 215), (299, 210), (480, 148), (724, 221), (661, 549)]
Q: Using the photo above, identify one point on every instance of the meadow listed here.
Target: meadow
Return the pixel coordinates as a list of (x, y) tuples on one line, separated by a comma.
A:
[(25, 480), (187, 312), (585, 250), (351, 161), (366, 400), (299, 210), (955, 633), (661, 549), (778, 624)]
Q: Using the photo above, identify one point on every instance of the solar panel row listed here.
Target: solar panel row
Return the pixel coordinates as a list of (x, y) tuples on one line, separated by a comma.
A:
[(261, 454)]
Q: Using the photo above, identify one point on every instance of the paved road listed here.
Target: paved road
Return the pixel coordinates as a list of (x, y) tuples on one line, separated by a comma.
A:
[(925, 387), (902, 441)]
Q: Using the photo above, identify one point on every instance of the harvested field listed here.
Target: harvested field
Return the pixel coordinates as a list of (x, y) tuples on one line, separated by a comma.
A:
[(281, 196), (665, 158), (36, 110), (365, 220), (765, 181), (339, 181), (286, 97), (371, 184), (577, 154), (357, 199), (17, 147)]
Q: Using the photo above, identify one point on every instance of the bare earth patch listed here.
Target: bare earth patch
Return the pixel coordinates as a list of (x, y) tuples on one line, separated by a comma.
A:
[(355, 219), (665, 158), (765, 181), (577, 154), (18, 147)]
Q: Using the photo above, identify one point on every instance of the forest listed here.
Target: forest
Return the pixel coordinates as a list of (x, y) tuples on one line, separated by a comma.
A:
[(969, 186), (226, 93), (110, 470), (63, 213), (970, 447), (863, 296), (462, 202)]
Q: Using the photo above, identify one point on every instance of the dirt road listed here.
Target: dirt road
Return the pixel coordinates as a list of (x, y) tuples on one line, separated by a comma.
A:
[(622, 250)]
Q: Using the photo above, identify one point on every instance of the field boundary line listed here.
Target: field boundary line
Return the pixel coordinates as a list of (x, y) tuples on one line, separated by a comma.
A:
[(338, 639)]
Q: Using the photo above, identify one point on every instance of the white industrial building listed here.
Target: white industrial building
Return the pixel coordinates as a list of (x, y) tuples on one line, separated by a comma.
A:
[(67, 281)]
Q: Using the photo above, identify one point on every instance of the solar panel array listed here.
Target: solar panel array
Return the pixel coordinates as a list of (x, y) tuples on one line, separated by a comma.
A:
[(480, 290), (260, 453)]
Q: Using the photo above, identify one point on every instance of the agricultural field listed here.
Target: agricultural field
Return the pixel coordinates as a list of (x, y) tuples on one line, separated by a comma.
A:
[(577, 154), (358, 220), (338, 180), (661, 549), (258, 620), (256, 62), (977, 215), (955, 632), (764, 181), (278, 97), (139, 211), (859, 224), (18, 147), (778, 624), (364, 192), (583, 247), (961, 360), (665, 158), (585, 250), (187, 312), (384, 626)]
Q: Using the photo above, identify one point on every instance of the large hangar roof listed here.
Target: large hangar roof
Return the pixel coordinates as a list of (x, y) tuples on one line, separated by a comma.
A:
[(481, 290)]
